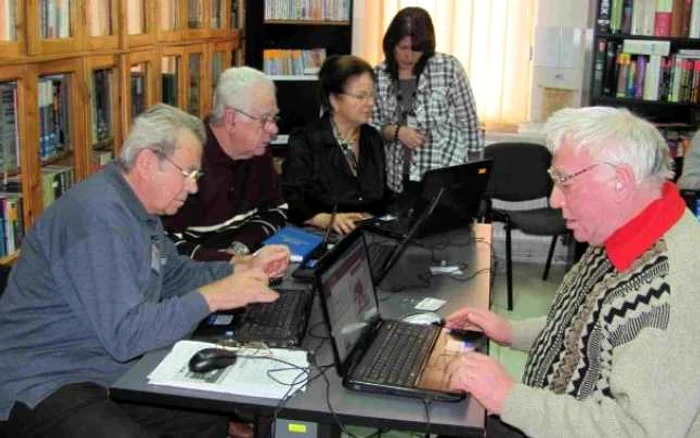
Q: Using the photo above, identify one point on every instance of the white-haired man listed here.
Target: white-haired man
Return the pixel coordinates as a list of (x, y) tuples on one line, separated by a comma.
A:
[(98, 284), (617, 353), (239, 202)]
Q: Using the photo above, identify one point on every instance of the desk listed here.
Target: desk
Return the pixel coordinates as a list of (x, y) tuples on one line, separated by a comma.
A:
[(462, 419)]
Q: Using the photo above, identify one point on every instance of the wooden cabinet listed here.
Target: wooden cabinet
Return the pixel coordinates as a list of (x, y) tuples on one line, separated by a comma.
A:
[(75, 73)]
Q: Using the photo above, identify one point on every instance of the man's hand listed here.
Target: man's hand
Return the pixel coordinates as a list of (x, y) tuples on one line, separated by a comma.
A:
[(271, 259), (494, 326), (483, 377), (411, 137), (237, 290)]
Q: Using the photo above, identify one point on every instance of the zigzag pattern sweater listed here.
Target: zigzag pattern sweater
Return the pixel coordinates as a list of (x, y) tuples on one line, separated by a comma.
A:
[(618, 353)]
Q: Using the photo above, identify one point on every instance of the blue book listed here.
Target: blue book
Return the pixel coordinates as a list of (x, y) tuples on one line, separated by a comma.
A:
[(300, 242)]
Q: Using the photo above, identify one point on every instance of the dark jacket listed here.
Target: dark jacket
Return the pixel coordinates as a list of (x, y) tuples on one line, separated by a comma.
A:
[(316, 174), (236, 201)]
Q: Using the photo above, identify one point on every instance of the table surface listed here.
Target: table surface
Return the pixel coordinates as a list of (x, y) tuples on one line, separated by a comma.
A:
[(470, 250)]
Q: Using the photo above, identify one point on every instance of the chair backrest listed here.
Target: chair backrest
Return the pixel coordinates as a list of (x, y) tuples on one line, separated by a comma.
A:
[(519, 171)]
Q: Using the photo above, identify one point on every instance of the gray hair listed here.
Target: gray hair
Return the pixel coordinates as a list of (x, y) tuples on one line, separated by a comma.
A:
[(233, 90), (157, 129), (614, 135)]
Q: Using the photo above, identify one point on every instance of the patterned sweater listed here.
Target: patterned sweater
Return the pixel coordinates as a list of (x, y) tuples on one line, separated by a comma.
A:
[(617, 355)]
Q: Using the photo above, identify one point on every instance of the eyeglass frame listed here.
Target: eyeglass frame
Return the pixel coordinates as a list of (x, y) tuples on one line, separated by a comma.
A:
[(262, 120), (194, 175), (560, 180), (361, 97)]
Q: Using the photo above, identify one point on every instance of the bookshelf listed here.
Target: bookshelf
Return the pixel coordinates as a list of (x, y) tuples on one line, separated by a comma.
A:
[(75, 73), (646, 57), (293, 40)]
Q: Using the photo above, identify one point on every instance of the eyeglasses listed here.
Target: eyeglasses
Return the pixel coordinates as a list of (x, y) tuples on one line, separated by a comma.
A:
[(194, 175), (362, 96), (264, 120), (560, 178)]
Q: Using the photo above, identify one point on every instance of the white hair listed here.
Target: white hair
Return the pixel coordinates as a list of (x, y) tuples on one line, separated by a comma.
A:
[(614, 135), (158, 129), (234, 87)]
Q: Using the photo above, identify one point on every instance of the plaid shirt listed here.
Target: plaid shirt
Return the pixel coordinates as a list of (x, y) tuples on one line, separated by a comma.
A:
[(445, 112)]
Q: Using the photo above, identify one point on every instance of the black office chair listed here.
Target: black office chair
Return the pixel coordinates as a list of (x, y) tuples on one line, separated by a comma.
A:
[(519, 174)]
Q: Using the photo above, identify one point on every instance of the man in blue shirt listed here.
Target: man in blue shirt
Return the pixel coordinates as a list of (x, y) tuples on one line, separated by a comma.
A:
[(98, 284)]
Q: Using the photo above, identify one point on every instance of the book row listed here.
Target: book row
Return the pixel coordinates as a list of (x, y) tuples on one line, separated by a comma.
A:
[(54, 135), (8, 23), (662, 18), (335, 10), (620, 74), (11, 228), (55, 18), (9, 136), (293, 62)]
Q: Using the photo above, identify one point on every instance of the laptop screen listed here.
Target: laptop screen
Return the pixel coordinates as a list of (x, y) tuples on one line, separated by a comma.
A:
[(349, 296)]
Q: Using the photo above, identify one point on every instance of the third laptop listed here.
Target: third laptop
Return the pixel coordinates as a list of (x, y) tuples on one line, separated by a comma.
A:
[(373, 354)]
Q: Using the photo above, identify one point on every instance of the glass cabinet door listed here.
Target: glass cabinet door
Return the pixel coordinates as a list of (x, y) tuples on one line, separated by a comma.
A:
[(55, 19), (169, 77), (169, 15), (217, 14), (99, 18), (138, 84), (8, 20), (136, 17), (102, 137), (195, 14), (194, 98)]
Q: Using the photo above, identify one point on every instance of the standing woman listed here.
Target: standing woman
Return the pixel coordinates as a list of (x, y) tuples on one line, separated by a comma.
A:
[(425, 109), (337, 162)]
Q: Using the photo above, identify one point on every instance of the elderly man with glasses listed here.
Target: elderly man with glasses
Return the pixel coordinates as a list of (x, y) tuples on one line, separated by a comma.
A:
[(617, 353), (98, 285), (239, 202)]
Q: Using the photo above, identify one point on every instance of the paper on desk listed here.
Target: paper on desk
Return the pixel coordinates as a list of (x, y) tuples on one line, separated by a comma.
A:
[(249, 376)]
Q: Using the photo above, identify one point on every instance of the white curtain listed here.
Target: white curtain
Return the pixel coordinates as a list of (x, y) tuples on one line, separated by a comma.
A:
[(492, 39)]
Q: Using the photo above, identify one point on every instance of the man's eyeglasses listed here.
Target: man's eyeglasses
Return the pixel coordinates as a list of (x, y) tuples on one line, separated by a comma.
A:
[(362, 96), (194, 175), (264, 120), (560, 179)]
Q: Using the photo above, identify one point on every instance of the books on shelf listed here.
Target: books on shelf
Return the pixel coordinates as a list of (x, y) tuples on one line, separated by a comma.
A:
[(138, 93), (11, 222), (9, 136), (55, 181), (55, 18), (54, 123), (101, 105), (661, 18), (293, 62), (8, 20), (646, 70), (311, 10)]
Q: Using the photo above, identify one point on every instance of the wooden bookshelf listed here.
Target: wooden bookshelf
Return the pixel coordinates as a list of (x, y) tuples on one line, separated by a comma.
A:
[(81, 74)]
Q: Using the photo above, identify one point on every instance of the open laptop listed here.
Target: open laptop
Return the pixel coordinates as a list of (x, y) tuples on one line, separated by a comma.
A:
[(692, 200), (365, 346), (281, 323), (464, 187), (384, 255)]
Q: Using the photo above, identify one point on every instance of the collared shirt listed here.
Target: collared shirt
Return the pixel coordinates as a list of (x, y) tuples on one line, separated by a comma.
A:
[(97, 285), (316, 175), (444, 111), (236, 201), (638, 235)]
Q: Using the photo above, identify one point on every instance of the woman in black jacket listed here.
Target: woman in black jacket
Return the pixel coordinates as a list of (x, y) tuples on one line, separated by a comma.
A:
[(337, 163)]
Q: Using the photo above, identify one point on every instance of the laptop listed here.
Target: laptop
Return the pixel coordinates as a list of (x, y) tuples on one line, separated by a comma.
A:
[(384, 255), (281, 323), (464, 187), (362, 340), (692, 200)]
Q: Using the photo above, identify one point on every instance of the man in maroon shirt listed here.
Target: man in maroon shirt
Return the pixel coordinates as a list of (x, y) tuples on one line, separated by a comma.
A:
[(239, 203)]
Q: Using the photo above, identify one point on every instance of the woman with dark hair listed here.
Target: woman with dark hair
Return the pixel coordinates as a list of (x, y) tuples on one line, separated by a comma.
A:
[(424, 109), (337, 163)]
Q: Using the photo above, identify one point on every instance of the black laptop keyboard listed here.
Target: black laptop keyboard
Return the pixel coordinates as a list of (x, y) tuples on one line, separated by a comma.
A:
[(277, 323), (397, 354)]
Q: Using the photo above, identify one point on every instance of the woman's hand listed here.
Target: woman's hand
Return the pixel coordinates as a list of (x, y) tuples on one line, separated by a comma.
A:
[(411, 137), (343, 223)]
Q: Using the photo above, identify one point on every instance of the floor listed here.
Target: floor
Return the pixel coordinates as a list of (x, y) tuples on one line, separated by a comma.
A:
[(532, 297)]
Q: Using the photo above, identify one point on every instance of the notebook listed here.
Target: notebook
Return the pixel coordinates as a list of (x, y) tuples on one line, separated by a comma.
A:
[(361, 339), (384, 255), (463, 186), (281, 323)]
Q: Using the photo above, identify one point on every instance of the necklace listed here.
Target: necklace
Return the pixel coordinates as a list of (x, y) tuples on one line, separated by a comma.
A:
[(346, 144)]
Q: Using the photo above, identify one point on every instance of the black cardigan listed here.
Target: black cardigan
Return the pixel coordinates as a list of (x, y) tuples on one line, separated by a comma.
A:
[(316, 174)]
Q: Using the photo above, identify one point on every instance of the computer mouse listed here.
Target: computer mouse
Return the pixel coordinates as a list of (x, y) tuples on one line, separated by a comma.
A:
[(209, 359), (425, 318)]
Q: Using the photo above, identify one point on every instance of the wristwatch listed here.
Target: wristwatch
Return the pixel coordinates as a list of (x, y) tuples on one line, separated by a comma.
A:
[(239, 248)]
